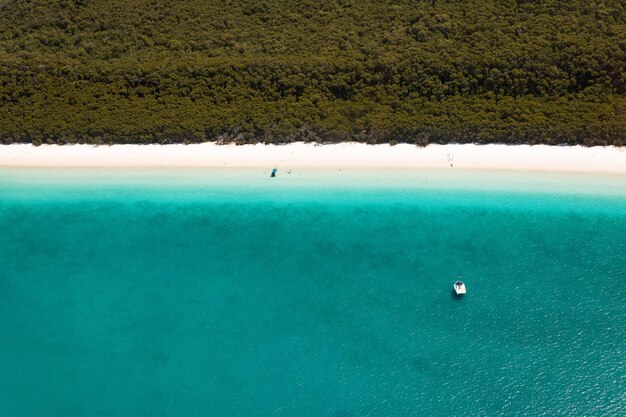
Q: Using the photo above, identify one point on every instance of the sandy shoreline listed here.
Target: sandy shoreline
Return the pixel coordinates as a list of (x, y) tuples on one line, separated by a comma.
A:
[(301, 155)]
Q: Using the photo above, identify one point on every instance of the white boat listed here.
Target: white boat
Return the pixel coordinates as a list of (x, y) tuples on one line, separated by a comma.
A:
[(459, 288)]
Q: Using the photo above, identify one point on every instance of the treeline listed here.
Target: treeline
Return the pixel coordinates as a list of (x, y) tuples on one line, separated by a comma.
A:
[(144, 71)]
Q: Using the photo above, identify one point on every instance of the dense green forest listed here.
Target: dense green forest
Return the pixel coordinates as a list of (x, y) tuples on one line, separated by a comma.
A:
[(118, 71)]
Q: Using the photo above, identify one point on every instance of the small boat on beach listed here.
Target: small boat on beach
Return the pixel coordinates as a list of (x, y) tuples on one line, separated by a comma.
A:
[(459, 287), (273, 174)]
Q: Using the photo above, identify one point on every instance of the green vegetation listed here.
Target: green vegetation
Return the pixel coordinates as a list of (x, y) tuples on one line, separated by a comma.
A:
[(117, 71)]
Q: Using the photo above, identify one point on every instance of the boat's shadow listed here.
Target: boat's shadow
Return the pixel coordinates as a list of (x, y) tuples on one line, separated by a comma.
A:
[(456, 297)]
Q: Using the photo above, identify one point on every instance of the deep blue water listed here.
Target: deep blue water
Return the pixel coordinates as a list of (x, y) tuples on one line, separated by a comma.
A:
[(225, 293)]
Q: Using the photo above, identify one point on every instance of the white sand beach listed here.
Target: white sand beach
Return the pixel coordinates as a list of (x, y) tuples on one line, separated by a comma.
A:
[(302, 155)]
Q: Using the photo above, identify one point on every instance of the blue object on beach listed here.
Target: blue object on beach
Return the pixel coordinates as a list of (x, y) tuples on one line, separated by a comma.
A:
[(273, 174)]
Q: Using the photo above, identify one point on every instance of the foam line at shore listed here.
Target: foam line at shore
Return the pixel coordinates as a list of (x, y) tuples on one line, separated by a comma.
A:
[(302, 155)]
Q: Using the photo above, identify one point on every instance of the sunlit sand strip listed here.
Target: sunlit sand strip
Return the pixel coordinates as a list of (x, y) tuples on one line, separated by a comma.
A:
[(302, 155)]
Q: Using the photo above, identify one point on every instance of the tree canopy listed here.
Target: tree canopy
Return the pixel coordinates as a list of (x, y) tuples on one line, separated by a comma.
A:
[(143, 71)]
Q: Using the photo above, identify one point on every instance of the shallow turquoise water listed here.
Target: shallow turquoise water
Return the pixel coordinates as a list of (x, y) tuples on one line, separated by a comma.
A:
[(319, 293)]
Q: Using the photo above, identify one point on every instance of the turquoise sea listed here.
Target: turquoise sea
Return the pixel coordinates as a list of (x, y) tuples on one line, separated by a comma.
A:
[(316, 293)]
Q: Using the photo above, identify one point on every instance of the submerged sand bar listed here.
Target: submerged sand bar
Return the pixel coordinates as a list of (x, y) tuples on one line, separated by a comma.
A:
[(302, 155)]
